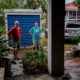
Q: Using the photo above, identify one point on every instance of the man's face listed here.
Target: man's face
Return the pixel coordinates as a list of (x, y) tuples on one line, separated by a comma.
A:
[(16, 25), (36, 24)]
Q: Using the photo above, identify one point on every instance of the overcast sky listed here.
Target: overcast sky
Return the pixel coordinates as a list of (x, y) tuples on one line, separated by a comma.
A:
[(68, 1)]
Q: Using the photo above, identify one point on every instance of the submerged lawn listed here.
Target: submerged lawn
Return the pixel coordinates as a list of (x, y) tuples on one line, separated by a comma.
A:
[(44, 44), (69, 46)]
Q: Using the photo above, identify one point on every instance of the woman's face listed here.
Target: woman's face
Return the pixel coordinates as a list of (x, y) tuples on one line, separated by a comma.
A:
[(36, 24)]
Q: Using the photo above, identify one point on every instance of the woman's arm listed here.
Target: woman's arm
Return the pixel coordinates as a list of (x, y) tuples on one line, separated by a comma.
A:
[(31, 30)]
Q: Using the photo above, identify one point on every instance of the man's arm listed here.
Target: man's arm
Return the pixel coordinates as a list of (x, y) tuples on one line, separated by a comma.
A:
[(10, 32)]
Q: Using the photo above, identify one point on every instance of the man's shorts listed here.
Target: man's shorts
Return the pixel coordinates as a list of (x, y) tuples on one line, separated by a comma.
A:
[(16, 44), (36, 43)]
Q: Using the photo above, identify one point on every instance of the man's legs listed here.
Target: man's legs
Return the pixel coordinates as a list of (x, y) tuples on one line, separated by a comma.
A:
[(14, 52), (16, 46)]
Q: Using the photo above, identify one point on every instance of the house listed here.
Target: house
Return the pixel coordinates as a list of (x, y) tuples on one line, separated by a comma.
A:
[(72, 12)]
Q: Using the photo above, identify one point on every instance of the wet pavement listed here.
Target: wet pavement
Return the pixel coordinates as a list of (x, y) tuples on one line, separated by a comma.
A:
[(1, 73), (17, 74), (73, 68), (33, 77)]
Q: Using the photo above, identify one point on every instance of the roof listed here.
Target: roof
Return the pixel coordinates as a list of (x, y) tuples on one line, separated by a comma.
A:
[(71, 6), (22, 10)]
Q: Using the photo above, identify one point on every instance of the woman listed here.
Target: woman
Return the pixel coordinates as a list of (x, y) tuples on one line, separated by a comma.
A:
[(35, 31)]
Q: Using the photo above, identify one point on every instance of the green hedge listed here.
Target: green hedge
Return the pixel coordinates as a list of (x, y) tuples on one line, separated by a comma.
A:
[(73, 40)]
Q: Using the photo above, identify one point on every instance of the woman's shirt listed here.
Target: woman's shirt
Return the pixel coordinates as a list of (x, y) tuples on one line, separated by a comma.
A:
[(36, 32)]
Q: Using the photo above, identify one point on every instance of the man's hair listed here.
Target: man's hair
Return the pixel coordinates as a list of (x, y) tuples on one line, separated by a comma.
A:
[(17, 22)]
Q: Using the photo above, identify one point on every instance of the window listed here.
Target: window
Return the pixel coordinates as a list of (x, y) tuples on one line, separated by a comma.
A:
[(78, 14), (73, 26)]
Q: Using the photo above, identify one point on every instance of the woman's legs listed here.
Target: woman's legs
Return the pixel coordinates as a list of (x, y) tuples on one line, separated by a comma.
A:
[(36, 44)]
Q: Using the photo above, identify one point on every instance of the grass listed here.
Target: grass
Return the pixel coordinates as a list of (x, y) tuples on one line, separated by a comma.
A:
[(69, 46), (44, 44)]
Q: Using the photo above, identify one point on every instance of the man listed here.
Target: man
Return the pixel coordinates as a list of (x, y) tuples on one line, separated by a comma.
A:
[(15, 34), (35, 31)]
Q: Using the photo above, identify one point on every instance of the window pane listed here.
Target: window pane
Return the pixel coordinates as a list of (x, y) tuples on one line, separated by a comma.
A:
[(78, 14), (74, 13), (70, 13)]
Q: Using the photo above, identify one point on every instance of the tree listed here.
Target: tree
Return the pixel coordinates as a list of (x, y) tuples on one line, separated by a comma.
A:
[(27, 4), (34, 4), (77, 3), (10, 4)]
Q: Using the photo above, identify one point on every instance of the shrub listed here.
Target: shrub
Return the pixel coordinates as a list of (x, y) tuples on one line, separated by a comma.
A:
[(35, 62), (73, 40)]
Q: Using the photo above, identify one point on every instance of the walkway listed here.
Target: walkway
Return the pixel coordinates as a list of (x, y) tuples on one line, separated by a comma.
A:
[(33, 77), (72, 66)]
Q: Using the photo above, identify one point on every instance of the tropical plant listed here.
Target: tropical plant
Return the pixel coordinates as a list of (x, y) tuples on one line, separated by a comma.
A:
[(4, 61), (35, 62)]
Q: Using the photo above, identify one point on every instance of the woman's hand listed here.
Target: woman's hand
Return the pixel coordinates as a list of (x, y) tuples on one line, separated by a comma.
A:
[(30, 33)]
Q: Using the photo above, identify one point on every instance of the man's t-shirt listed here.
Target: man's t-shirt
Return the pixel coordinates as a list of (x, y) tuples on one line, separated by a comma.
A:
[(15, 33), (36, 32)]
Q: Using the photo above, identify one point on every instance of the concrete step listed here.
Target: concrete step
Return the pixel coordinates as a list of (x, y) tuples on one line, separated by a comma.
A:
[(2, 73)]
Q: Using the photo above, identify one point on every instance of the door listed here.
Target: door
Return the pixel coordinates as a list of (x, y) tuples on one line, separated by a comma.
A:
[(26, 22)]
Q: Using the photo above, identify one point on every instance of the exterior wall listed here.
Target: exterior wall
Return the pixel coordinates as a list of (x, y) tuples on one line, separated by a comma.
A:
[(68, 17), (78, 14)]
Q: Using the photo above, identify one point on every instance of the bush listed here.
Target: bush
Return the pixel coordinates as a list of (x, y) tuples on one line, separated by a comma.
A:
[(35, 62), (73, 40)]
